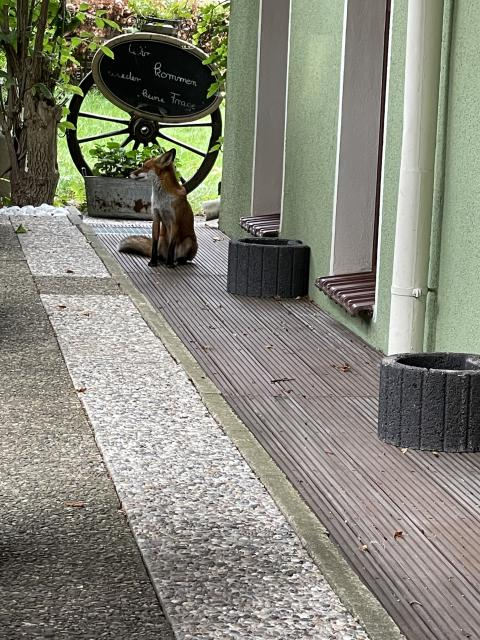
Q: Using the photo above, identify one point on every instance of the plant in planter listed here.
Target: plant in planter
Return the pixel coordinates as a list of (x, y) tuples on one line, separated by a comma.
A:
[(109, 192)]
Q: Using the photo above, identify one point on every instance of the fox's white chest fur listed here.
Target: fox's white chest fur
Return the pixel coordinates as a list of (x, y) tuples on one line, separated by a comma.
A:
[(162, 201)]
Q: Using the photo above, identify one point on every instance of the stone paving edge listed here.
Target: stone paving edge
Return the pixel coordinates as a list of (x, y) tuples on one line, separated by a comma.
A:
[(315, 538)]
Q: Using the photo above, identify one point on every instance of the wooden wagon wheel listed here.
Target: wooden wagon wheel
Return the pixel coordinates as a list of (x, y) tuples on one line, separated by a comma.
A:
[(136, 130)]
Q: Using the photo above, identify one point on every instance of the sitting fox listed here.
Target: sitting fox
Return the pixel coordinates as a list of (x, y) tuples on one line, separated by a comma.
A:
[(173, 235)]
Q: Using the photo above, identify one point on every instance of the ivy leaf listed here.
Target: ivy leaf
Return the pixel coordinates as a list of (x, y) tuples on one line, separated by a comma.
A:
[(111, 23), (211, 58), (108, 52), (213, 89), (99, 22), (84, 6), (21, 229), (65, 124), (72, 88), (43, 90)]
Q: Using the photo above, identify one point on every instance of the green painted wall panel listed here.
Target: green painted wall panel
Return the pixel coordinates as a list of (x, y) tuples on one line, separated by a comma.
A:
[(311, 147), (459, 282), (311, 139), (240, 115), (312, 115)]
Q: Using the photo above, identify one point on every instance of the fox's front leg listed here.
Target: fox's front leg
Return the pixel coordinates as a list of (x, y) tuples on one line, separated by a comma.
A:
[(155, 236), (171, 255), (172, 241)]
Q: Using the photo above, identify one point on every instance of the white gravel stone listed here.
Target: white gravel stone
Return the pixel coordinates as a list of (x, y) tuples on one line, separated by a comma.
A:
[(223, 558), (45, 210)]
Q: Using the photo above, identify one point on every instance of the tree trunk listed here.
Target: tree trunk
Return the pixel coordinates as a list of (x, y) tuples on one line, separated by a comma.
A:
[(34, 178)]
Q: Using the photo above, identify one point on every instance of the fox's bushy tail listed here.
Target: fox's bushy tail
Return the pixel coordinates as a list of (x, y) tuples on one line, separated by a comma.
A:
[(141, 245)]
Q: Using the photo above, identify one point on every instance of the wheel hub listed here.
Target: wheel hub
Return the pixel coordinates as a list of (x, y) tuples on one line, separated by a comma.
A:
[(143, 130)]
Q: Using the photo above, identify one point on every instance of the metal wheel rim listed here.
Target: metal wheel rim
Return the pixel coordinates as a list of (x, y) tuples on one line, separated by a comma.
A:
[(74, 145)]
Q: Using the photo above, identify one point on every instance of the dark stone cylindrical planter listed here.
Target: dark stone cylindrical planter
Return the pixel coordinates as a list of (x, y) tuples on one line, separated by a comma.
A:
[(268, 267), (430, 401)]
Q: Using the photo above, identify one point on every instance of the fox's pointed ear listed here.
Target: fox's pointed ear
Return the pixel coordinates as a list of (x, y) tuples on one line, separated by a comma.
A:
[(170, 156), (166, 158)]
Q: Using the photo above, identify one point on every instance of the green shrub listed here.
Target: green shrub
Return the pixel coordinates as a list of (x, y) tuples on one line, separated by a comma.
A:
[(115, 161)]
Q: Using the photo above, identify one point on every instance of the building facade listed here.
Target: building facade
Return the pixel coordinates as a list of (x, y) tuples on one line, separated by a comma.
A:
[(356, 121)]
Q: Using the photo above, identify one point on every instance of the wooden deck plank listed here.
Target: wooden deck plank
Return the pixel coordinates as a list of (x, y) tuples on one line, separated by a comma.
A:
[(307, 389)]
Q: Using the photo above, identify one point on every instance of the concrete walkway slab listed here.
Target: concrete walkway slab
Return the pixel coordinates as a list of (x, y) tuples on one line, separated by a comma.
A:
[(69, 567)]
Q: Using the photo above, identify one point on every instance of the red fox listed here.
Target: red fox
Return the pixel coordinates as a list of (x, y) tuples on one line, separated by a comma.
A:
[(173, 235)]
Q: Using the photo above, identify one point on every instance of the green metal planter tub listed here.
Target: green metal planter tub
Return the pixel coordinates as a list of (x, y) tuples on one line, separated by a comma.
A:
[(118, 198)]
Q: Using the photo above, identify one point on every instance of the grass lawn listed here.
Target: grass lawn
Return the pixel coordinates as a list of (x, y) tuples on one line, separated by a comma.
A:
[(71, 188)]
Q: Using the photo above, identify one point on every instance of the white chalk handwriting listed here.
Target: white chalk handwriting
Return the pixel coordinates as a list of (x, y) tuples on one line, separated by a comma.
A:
[(124, 76), (138, 50), (165, 75), (181, 103), (152, 97)]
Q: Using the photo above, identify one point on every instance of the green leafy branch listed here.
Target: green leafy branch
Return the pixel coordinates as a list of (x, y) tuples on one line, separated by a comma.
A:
[(116, 161)]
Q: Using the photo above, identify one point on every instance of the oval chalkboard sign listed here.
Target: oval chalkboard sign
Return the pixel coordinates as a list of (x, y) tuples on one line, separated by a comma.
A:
[(156, 76)]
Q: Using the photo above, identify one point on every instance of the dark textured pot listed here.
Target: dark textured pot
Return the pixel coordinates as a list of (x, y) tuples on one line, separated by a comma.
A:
[(268, 267), (430, 401)]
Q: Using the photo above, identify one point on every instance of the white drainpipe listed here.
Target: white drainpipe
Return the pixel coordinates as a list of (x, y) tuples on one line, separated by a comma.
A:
[(415, 193)]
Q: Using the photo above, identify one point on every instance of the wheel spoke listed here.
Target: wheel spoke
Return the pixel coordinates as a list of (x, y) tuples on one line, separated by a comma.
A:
[(103, 135), (98, 116), (182, 144), (136, 144), (173, 125), (126, 141)]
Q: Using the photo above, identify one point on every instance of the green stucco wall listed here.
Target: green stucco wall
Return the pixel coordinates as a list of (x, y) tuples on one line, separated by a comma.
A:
[(239, 115), (311, 140), (311, 135), (311, 144), (457, 327)]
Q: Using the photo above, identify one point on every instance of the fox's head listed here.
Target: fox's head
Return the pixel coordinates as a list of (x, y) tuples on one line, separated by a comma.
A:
[(158, 166)]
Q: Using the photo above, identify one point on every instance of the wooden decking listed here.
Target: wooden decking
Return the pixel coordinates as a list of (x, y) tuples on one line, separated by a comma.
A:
[(408, 522)]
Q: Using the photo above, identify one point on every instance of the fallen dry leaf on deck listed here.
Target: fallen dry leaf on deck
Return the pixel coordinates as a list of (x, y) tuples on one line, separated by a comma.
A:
[(404, 450), (69, 271), (344, 368), (216, 239), (436, 454), (363, 548), (76, 503), (398, 534), (62, 306), (281, 380), (81, 390), (21, 229)]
